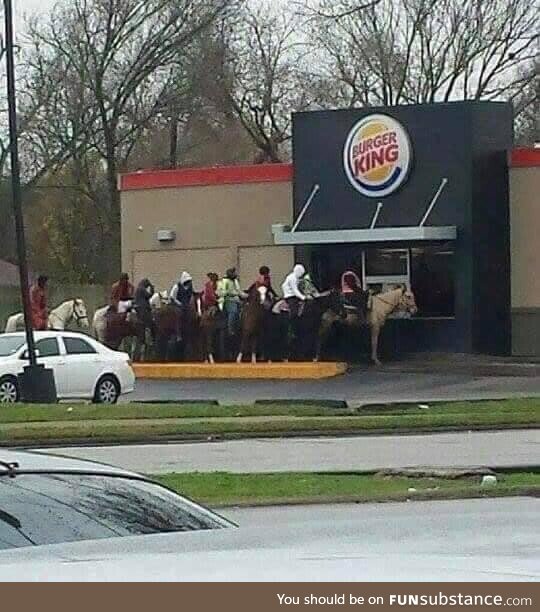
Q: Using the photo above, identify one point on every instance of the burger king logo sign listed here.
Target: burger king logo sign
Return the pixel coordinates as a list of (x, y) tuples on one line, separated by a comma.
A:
[(377, 156)]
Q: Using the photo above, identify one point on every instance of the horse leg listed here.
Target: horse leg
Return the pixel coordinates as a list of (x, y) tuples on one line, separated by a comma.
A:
[(325, 328), (375, 331)]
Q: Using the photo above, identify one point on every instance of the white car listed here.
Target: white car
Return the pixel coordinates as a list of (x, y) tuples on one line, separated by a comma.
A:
[(83, 368)]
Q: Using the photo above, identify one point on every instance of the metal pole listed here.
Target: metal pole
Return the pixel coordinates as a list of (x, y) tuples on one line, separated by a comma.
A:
[(314, 192), (376, 215), (434, 201), (16, 182)]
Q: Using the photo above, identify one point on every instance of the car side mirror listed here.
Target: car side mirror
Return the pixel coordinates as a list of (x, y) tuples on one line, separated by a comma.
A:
[(26, 355)]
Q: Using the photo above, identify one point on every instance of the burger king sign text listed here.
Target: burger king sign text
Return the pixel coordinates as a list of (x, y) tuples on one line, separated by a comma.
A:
[(377, 156)]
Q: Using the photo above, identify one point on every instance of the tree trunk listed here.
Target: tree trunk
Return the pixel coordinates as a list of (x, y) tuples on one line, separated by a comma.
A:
[(173, 143)]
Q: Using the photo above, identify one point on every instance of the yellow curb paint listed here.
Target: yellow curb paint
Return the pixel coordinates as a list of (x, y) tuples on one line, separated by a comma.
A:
[(282, 371)]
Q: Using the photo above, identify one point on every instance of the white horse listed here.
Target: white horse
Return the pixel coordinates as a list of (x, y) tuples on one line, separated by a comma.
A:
[(99, 322), (380, 307), (69, 311)]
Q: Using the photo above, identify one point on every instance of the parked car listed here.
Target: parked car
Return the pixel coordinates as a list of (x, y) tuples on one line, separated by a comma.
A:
[(83, 367), (46, 499)]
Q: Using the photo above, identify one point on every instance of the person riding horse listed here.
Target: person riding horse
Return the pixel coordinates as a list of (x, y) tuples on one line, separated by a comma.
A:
[(121, 294), (38, 304), (209, 295), (265, 280), (355, 299), (291, 290), (145, 319), (180, 296), (229, 296)]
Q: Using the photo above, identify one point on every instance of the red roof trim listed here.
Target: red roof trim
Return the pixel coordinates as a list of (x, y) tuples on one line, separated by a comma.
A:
[(220, 175), (525, 158)]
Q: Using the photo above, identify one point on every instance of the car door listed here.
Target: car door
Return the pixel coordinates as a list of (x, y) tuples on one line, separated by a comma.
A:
[(50, 356), (84, 364)]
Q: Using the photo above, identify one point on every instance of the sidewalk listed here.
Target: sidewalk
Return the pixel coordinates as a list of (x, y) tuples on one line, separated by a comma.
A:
[(472, 365)]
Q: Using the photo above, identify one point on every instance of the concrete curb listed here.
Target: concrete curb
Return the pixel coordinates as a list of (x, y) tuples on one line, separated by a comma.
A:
[(244, 371)]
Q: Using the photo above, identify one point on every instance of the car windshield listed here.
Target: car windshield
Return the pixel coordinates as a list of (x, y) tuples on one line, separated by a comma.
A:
[(10, 345), (40, 509)]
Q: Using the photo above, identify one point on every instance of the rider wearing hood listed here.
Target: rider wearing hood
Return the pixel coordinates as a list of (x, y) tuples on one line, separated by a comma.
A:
[(354, 297), (182, 291), (291, 289), (143, 293)]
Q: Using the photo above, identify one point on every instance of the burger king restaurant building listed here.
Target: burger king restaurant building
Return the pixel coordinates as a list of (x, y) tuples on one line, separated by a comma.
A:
[(431, 196)]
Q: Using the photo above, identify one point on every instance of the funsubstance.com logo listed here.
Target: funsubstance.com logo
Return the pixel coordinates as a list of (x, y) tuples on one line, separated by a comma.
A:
[(377, 156)]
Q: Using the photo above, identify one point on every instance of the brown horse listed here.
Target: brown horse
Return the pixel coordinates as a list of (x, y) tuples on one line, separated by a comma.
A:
[(380, 307), (213, 325), (181, 324), (168, 322), (251, 322), (122, 326)]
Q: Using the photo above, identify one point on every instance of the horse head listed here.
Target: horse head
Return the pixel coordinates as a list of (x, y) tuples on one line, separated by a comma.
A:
[(407, 302), (80, 313)]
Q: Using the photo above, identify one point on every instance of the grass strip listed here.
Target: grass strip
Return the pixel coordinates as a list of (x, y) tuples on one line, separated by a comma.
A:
[(146, 429), (23, 424), (227, 489), (24, 413)]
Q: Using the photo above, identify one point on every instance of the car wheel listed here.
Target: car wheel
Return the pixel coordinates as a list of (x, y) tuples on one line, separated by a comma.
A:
[(107, 390), (9, 390)]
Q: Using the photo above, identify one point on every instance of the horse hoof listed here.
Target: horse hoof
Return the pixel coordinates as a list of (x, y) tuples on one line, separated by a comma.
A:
[(377, 363)]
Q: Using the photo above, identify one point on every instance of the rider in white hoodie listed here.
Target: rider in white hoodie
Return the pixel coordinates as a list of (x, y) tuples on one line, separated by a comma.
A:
[(291, 289)]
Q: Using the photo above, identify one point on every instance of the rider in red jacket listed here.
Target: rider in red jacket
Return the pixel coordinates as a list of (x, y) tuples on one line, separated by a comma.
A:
[(38, 304), (209, 296)]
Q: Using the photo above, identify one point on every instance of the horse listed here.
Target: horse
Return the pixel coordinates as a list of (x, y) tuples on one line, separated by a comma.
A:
[(213, 324), (182, 323), (380, 307), (69, 311), (251, 322), (112, 328), (279, 328)]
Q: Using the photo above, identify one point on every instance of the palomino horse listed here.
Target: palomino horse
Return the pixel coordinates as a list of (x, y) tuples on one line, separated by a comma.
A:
[(251, 322), (381, 306), (69, 311)]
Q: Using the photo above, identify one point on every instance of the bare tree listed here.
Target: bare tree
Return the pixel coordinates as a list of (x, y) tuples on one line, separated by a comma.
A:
[(265, 78), (411, 51), (116, 55)]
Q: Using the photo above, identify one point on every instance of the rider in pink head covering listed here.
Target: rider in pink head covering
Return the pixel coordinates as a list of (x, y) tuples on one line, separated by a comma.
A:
[(350, 282), (354, 297)]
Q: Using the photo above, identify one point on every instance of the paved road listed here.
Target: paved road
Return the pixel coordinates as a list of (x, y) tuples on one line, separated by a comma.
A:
[(493, 449), (359, 386)]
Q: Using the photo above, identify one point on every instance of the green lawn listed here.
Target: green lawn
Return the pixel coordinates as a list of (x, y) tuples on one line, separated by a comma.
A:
[(129, 422), (222, 489)]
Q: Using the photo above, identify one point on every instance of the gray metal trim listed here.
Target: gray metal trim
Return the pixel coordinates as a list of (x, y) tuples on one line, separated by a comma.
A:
[(381, 234)]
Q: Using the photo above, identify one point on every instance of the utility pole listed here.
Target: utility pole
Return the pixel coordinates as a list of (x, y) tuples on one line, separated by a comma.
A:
[(36, 382)]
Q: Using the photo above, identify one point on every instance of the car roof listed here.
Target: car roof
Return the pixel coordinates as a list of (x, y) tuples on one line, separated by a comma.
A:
[(326, 551), (39, 335), (39, 461)]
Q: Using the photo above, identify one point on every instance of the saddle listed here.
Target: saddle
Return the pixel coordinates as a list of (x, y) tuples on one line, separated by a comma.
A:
[(281, 307)]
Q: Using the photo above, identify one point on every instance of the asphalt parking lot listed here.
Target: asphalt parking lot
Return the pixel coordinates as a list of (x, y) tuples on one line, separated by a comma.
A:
[(359, 386)]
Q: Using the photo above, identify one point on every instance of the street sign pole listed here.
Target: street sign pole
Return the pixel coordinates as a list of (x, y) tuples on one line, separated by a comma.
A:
[(37, 383), (16, 181)]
